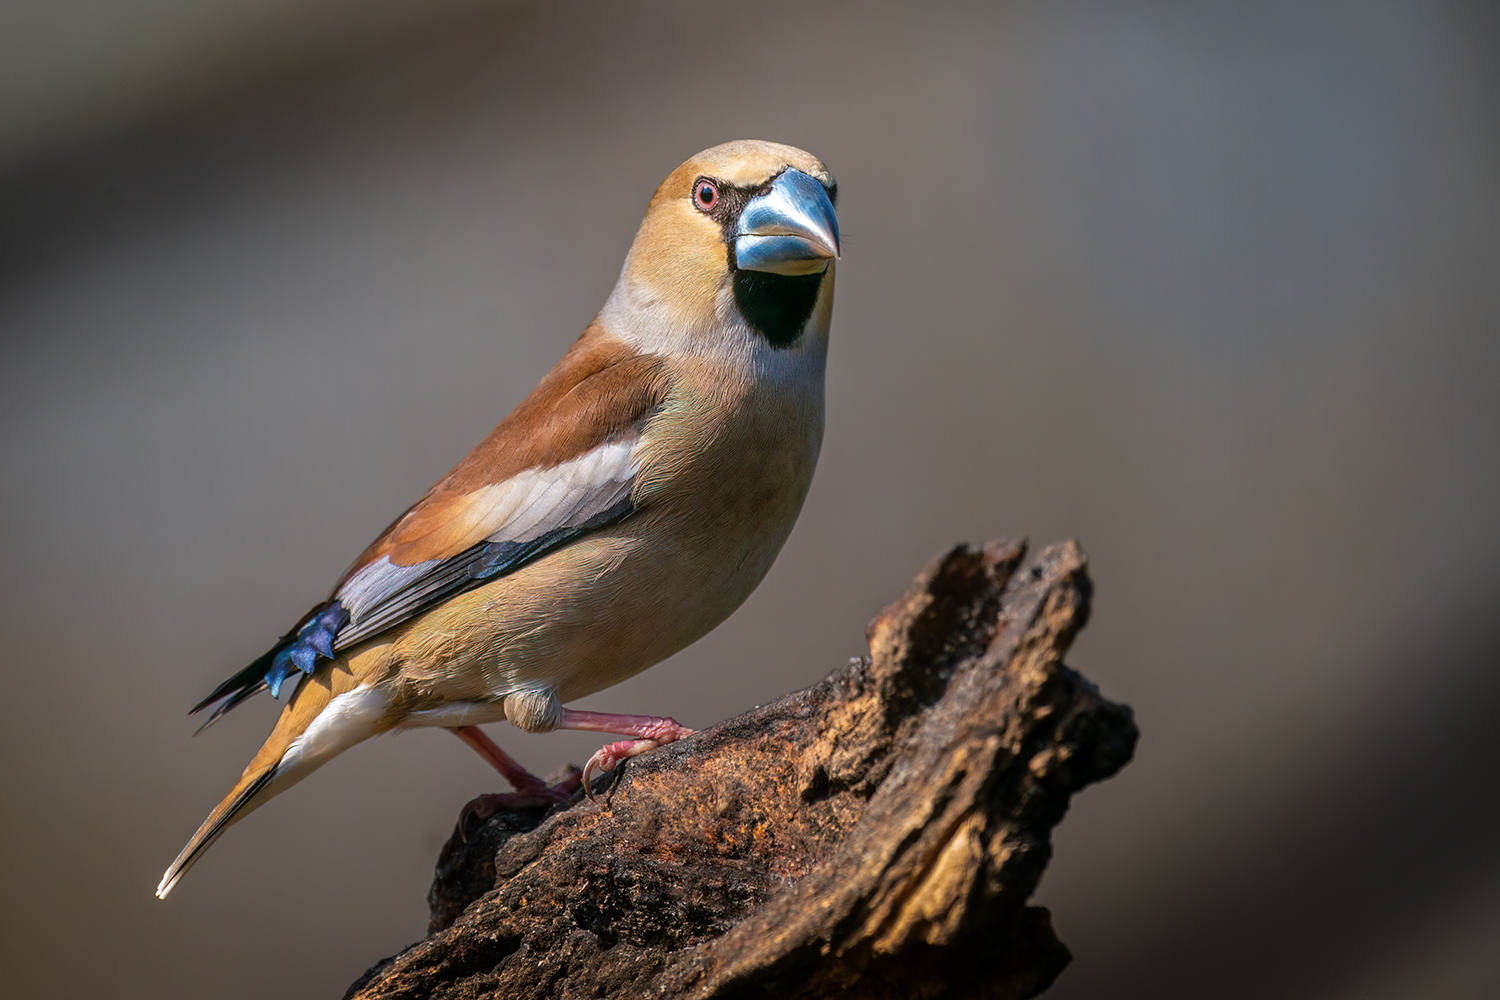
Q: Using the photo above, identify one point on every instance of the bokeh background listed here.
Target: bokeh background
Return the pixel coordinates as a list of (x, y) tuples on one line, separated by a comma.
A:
[(1213, 287)]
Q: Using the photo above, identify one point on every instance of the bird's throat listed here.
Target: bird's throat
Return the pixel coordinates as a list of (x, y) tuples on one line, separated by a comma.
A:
[(777, 305)]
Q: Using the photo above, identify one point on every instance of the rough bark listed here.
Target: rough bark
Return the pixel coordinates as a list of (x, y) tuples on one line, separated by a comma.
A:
[(876, 835)]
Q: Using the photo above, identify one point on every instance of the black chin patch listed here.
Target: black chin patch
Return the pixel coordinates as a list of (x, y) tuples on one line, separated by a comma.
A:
[(777, 305)]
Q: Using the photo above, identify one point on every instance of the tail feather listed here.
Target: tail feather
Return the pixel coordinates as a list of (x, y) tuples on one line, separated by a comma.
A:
[(237, 804), (330, 712)]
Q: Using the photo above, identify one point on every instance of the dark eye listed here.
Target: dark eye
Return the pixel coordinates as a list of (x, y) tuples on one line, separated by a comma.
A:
[(705, 194)]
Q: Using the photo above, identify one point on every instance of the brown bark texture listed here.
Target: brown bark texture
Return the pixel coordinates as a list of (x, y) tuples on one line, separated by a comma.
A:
[(876, 835)]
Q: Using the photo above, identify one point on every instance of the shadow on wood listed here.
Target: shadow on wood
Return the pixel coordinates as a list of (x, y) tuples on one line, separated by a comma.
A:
[(875, 835)]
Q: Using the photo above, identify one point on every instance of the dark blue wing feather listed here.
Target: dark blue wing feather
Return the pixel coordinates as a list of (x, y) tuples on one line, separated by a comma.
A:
[(330, 627)]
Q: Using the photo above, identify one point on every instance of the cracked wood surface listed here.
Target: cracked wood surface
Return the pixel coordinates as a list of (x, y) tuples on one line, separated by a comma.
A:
[(875, 835)]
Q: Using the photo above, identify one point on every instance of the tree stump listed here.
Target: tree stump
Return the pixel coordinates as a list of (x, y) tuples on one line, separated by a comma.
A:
[(876, 835)]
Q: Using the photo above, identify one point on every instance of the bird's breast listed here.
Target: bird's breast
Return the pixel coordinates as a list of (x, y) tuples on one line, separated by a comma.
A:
[(725, 469)]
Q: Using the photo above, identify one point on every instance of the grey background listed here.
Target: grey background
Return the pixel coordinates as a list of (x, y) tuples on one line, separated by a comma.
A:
[(1213, 287)]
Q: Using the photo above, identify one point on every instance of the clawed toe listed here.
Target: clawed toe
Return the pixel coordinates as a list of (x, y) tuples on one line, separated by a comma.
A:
[(608, 757), (480, 809)]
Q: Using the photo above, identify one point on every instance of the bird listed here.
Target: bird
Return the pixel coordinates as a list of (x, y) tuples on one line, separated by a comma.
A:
[(628, 505)]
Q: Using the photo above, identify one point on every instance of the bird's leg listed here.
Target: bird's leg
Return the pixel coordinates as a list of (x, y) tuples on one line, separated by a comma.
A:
[(519, 778), (648, 732), (530, 791)]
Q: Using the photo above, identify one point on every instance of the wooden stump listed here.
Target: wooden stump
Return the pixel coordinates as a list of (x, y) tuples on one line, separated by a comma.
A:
[(875, 835)]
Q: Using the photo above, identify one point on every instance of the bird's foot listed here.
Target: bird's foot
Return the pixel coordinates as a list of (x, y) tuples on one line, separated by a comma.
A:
[(649, 732), (605, 759), (480, 809), (536, 794)]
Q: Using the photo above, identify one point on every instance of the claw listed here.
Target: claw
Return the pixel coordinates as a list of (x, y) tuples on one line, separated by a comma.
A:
[(608, 757)]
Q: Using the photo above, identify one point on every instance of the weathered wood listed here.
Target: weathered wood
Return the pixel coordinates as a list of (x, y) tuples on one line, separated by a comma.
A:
[(876, 835)]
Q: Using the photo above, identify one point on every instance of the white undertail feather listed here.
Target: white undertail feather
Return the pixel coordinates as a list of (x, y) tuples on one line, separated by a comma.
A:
[(284, 760)]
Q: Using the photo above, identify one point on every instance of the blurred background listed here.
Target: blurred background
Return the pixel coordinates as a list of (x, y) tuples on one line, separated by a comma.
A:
[(1213, 287)]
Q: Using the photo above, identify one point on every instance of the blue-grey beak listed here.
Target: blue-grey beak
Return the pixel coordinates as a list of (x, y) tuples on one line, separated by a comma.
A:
[(791, 229)]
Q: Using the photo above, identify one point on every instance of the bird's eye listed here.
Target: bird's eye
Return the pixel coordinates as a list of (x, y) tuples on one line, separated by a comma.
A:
[(705, 194)]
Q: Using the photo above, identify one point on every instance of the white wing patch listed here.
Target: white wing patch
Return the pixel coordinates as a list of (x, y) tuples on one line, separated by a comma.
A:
[(538, 501), (524, 513), (375, 581)]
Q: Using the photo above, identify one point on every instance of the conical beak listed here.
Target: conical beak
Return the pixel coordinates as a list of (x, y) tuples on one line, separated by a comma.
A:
[(790, 229)]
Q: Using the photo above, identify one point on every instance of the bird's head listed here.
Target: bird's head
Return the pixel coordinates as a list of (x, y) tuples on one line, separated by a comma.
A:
[(743, 234)]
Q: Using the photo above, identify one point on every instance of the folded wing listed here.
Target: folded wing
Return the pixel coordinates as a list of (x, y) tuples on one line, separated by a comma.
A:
[(488, 517)]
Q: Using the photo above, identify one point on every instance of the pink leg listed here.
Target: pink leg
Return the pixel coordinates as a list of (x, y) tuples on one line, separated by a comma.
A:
[(529, 791), (649, 732)]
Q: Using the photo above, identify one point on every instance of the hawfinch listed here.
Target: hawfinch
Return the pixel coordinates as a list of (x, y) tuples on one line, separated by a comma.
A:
[(626, 507)]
